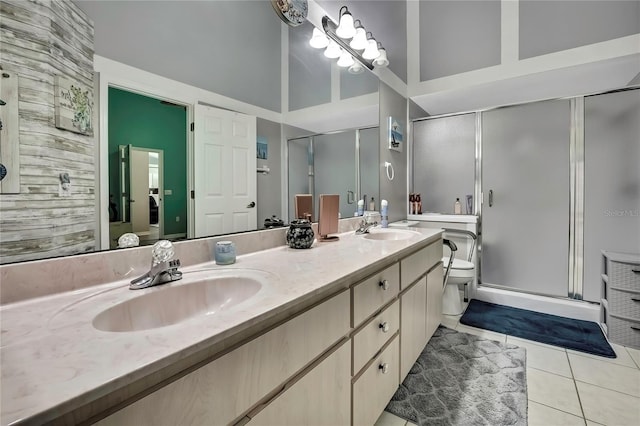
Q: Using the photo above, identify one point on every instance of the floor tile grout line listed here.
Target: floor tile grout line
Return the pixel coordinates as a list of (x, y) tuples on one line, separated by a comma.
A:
[(575, 386), (558, 409), (637, 363), (607, 360), (609, 389)]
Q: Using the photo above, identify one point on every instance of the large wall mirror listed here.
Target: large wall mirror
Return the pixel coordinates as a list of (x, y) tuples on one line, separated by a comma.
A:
[(228, 55)]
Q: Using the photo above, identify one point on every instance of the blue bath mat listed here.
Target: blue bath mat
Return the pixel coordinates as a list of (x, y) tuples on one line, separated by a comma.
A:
[(582, 336)]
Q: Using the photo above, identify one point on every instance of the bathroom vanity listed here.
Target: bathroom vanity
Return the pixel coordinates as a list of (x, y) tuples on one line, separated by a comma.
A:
[(338, 325)]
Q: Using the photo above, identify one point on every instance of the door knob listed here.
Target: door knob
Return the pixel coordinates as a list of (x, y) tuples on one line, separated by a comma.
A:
[(251, 205)]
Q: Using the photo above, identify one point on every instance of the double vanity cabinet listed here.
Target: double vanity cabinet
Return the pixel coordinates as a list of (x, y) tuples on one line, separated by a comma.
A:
[(327, 340), (337, 363)]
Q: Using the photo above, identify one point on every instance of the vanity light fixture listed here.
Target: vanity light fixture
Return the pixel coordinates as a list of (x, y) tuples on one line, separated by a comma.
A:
[(333, 51), (345, 60), (318, 40), (356, 68), (371, 52), (339, 46), (381, 61), (359, 41), (345, 29)]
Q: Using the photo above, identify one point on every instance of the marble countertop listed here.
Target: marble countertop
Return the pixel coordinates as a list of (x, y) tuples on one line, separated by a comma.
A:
[(54, 361)]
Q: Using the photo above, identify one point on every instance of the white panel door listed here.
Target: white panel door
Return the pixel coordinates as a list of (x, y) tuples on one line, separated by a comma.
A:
[(139, 172), (225, 171)]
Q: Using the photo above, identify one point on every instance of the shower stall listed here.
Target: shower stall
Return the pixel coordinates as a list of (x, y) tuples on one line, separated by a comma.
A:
[(555, 182)]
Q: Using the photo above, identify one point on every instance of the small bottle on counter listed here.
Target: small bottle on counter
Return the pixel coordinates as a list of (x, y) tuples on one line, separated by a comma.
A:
[(457, 207), (384, 214), (418, 204), (372, 204), (360, 207)]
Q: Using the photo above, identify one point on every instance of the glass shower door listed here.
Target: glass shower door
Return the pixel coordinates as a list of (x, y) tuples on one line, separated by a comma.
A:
[(526, 190)]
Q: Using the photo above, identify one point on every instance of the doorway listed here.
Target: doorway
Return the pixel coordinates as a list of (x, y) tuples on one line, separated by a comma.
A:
[(152, 129)]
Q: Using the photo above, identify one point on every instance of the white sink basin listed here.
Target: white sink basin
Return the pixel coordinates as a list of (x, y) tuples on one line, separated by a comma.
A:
[(390, 234), (197, 294)]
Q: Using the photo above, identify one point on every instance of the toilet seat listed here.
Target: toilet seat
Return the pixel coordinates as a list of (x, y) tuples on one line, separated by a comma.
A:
[(458, 263)]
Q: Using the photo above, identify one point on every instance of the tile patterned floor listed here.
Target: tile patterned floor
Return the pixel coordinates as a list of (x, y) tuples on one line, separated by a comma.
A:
[(566, 387)]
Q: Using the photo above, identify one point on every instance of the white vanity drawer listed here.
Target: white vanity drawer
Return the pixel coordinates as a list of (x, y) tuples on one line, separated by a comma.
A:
[(412, 267), (373, 390), (374, 292), (368, 341)]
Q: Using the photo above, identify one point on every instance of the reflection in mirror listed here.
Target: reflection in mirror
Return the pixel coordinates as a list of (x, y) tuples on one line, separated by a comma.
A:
[(182, 67), (344, 163)]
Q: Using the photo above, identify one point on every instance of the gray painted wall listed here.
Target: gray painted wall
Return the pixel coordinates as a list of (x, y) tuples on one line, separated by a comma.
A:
[(395, 191), (269, 185), (309, 71), (458, 36), (228, 47), (444, 152), (356, 85), (552, 26)]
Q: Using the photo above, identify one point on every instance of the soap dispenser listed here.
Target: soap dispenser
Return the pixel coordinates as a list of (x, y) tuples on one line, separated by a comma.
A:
[(457, 207)]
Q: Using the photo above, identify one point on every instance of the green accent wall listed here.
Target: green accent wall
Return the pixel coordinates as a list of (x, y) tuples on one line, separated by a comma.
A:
[(145, 122)]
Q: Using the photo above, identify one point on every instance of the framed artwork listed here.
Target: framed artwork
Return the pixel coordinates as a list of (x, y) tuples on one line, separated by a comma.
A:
[(261, 148), (73, 106), (395, 134)]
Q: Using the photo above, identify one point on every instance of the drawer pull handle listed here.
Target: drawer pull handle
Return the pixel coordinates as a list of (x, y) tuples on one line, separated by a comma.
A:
[(636, 299), (384, 326), (384, 368), (634, 328), (635, 270), (384, 284)]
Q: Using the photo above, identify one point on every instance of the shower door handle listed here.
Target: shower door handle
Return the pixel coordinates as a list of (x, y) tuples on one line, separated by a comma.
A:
[(350, 197), (491, 198)]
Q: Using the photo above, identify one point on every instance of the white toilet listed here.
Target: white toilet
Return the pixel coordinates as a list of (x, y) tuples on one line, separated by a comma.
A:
[(462, 272)]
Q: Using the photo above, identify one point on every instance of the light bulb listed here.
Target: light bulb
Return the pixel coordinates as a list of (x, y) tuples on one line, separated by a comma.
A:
[(371, 51), (333, 51), (356, 68), (346, 29), (318, 40), (359, 41), (345, 60), (381, 61)]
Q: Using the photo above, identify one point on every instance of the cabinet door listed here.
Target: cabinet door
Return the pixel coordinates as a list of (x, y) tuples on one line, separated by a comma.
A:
[(413, 322), (434, 300), (321, 397)]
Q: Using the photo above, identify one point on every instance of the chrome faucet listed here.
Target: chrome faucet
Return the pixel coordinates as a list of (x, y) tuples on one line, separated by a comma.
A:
[(163, 268), (365, 226)]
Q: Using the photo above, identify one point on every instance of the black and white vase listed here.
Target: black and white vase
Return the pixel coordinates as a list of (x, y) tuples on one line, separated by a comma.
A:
[(300, 234)]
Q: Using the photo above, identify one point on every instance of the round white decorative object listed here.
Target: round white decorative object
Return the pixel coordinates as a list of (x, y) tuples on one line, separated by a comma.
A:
[(162, 251), (128, 240)]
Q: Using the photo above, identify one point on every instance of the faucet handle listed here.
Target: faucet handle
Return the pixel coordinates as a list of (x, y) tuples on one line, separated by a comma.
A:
[(162, 251)]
